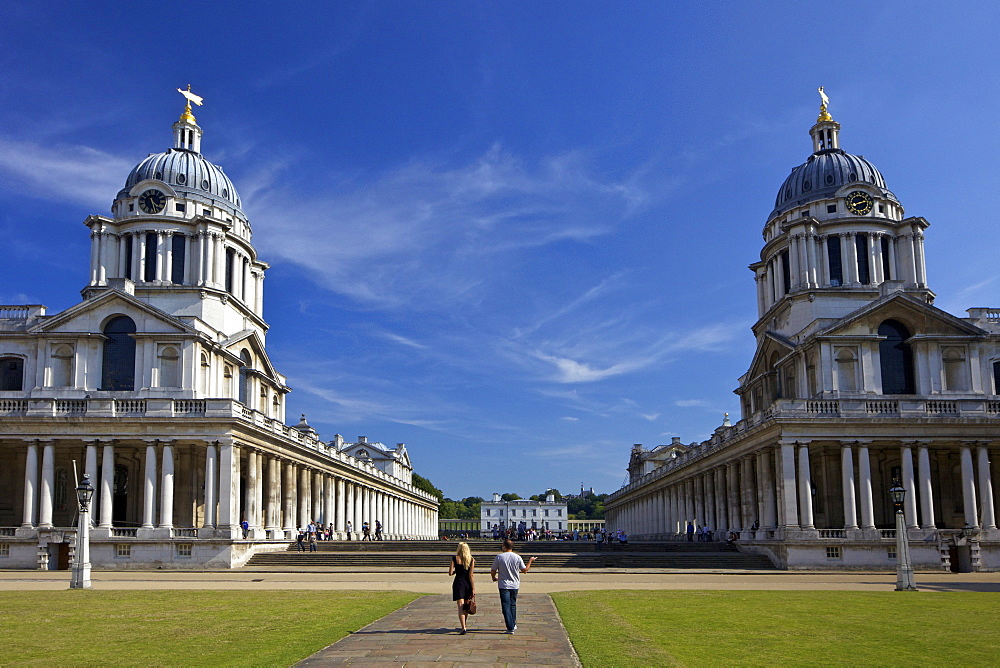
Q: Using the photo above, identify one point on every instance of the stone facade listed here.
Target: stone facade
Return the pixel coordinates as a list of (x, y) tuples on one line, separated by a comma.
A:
[(540, 515), (857, 380), (158, 385)]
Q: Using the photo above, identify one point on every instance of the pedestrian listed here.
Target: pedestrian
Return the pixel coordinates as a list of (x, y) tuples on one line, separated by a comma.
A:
[(463, 587), (378, 530), (299, 538), (312, 541), (366, 531), (599, 538), (690, 532), (350, 528), (506, 572), (246, 528)]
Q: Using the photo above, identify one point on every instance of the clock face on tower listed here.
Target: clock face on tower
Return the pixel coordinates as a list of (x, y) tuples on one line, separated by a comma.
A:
[(152, 201), (859, 203)]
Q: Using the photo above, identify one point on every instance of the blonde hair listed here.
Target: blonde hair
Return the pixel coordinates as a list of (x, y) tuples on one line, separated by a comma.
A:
[(463, 555)]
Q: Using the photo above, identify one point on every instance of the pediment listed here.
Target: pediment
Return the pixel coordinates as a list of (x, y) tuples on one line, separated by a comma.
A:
[(769, 345), (250, 340), (920, 318), (90, 316)]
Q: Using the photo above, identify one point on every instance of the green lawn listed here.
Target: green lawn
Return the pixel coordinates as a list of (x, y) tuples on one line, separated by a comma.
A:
[(189, 628), (722, 628)]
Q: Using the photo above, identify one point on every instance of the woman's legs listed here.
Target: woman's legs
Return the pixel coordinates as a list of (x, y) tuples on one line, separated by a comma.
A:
[(462, 614)]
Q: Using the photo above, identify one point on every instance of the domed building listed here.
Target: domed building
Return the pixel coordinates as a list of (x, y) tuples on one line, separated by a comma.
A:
[(158, 386), (858, 382)]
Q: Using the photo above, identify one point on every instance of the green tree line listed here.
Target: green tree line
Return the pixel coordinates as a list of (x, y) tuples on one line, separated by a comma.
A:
[(590, 507)]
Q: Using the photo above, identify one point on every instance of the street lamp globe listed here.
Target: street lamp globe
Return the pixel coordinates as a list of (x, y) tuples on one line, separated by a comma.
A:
[(85, 493), (897, 492)]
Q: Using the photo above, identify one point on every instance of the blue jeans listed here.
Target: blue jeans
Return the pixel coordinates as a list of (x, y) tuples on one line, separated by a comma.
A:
[(508, 605)]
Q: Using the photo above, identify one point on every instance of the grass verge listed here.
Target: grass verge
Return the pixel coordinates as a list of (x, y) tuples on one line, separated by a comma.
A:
[(692, 628), (190, 628)]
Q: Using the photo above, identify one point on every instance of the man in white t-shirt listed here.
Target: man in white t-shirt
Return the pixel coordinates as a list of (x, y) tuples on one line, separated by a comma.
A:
[(506, 572)]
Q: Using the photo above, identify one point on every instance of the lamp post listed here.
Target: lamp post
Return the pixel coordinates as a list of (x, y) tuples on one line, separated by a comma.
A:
[(81, 563), (904, 568)]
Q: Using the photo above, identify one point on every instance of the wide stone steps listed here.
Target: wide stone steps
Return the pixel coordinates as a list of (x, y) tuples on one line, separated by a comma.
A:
[(344, 554)]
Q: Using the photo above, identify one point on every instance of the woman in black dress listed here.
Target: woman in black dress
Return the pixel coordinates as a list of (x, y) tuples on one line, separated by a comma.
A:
[(464, 584)]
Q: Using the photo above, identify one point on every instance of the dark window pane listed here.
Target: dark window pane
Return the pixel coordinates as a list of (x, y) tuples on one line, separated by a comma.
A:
[(896, 359), (833, 253), (118, 369), (12, 373), (786, 271), (177, 261), (149, 272), (861, 244), (229, 270), (886, 265)]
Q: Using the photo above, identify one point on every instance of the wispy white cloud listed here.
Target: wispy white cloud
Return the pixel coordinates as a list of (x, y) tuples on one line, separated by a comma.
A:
[(401, 340), (692, 403), (569, 418), (78, 174)]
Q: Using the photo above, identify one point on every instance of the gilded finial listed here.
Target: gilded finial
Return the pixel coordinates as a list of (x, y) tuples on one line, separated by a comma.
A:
[(824, 115), (187, 116)]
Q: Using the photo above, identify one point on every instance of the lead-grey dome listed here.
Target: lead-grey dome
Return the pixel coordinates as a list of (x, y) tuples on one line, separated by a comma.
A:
[(822, 175), (186, 172)]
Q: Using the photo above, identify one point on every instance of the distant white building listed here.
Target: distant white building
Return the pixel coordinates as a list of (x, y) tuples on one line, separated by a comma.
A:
[(540, 515)]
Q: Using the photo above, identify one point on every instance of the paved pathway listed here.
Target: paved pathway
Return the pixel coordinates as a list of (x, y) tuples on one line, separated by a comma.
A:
[(425, 632)]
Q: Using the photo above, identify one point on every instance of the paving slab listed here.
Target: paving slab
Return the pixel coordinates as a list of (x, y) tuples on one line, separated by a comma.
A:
[(426, 632)]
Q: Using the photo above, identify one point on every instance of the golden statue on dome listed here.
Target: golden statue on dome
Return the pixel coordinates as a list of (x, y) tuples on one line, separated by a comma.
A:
[(824, 102), (190, 97)]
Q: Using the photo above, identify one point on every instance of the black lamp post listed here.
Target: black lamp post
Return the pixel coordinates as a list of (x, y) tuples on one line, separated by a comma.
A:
[(81, 563), (904, 568)]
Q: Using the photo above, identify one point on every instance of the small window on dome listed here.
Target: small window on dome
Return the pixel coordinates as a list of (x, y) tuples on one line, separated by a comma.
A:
[(788, 193), (805, 213), (204, 184), (179, 207), (807, 186), (852, 176), (158, 176), (881, 208), (831, 208), (181, 179), (829, 179), (131, 207), (206, 212), (225, 192)]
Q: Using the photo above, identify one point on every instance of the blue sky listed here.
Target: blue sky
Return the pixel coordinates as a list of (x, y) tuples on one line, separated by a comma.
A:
[(513, 235)]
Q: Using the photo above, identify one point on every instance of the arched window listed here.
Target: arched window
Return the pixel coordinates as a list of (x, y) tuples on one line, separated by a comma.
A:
[(895, 359), (11, 373), (263, 399), (955, 378), (847, 371), (204, 374), (169, 362), (244, 376), (118, 369), (61, 366), (227, 374)]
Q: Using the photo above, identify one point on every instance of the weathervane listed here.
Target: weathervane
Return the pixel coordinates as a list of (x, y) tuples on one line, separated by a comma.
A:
[(824, 115), (190, 97)]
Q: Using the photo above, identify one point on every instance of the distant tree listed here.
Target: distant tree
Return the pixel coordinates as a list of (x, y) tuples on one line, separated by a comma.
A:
[(423, 483), (509, 496)]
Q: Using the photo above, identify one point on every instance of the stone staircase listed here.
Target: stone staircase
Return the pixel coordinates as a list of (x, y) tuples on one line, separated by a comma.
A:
[(551, 554)]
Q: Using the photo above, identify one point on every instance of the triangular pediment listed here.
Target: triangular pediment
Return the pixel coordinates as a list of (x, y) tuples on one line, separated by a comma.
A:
[(919, 317), (250, 339), (770, 344), (91, 315)]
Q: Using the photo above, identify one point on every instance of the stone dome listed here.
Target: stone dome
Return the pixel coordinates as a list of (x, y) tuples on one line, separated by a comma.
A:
[(186, 172), (822, 175)]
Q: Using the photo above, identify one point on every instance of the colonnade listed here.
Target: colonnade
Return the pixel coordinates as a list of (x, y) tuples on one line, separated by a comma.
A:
[(276, 495), (774, 489)]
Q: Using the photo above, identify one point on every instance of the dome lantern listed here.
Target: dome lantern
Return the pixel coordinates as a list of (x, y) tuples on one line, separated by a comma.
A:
[(187, 134), (825, 132)]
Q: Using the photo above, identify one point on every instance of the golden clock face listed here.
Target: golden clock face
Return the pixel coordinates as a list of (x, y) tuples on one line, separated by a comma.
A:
[(152, 201), (859, 203)]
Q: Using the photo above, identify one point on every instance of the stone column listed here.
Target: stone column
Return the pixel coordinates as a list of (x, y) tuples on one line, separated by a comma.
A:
[(90, 469), (748, 495), (349, 514), (986, 488), (805, 487), (788, 511), (910, 501), (847, 479), (229, 487), (272, 522), (291, 494), (149, 488), (211, 485), (329, 500), (318, 494), (733, 494), (699, 499), (48, 485), (865, 484), (167, 488), (30, 486), (107, 485), (765, 469), (968, 487), (341, 506), (926, 493), (305, 497)]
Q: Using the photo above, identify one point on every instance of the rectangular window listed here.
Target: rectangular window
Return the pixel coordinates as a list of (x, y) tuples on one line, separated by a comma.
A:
[(861, 244), (805, 213), (833, 553), (149, 269), (230, 254), (206, 212), (881, 208), (786, 271), (831, 208), (128, 257), (546, 513), (123, 550), (559, 512), (184, 550), (4, 550), (885, 259), (890, 552), (487, 512), (180, 207), (534, 513), (833, 253), (179, 246)]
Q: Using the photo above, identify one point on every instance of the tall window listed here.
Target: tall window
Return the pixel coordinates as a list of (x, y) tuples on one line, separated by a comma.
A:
[(786, 272), (149, 269), (886, 265), (11, 373), (118, 368), (62, 366), (128, 258), (245, 377), (833, 253), (864, 273), (896, 359), (169, 360), (955, 378), (179, 245), (229, 270), (996, 378)]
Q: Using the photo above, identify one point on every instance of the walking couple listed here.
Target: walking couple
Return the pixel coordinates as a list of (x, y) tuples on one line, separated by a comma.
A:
[(506, 572)]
